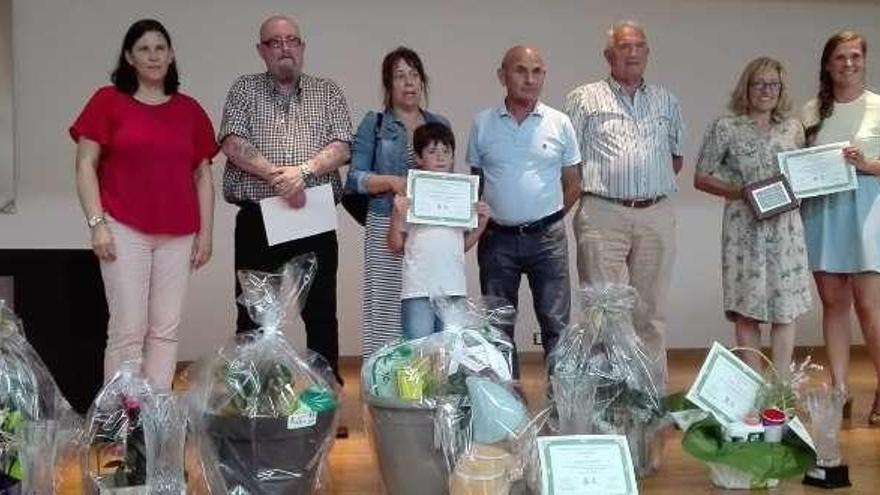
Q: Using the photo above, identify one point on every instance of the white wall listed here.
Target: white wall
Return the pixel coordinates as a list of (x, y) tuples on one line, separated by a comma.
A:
[(7, 170), (64, 49)]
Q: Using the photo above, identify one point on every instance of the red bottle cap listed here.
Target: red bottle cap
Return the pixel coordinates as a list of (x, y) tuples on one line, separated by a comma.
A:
[(772, 417)]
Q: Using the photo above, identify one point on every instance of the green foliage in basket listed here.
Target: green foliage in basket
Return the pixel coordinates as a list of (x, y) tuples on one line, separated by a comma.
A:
[(266, 388), (10, 422), (761, 460)]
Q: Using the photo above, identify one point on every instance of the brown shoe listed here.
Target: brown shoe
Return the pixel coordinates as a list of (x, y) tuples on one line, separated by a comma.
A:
[(342, 432)]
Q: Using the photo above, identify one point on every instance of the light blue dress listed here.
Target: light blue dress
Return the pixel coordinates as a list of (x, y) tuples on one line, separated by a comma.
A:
[(842, 230)]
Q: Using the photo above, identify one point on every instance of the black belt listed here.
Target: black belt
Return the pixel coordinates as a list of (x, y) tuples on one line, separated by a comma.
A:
[(631, 203), (528, 228)]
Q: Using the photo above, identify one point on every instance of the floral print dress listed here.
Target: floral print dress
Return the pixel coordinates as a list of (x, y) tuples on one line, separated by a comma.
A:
[(765, 275)]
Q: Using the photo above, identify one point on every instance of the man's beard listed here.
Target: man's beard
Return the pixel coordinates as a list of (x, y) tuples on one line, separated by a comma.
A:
[(286, 70)]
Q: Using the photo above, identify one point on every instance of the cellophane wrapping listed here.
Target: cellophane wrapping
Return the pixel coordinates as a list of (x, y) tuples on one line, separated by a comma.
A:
[(265, 415), (602, 376), (443, 410), (35, 419)]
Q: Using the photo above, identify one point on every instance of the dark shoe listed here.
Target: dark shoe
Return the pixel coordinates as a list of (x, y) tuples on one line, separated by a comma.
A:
[(847, 407), (342, 432)]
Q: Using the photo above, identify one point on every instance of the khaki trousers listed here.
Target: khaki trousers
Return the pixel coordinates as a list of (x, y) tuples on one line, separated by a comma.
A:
[(633, 246)]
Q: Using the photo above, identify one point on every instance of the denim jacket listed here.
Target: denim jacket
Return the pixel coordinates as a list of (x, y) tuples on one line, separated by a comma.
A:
[(383, 154)]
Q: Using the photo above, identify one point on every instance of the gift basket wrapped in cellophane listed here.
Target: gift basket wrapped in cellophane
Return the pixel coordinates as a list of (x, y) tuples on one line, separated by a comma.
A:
[(766, 445), (37, 425), (443, 410), (602, 376), (265, 415)]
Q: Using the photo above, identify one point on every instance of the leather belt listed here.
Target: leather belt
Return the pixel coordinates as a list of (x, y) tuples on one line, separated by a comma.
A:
[(631, 203), (528, 228)]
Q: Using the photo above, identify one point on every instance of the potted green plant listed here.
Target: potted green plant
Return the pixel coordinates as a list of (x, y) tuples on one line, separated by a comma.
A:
[(269, 423), (10, 466)]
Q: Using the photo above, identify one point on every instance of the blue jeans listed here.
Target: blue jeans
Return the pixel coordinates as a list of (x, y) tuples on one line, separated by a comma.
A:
[(418, 318), (543, 258)]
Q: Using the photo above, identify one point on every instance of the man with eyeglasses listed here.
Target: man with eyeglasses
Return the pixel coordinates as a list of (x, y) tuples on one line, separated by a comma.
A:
[(284, 131), (631, 139)]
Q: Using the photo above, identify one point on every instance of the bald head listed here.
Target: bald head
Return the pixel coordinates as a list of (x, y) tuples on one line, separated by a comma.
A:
[(268, 26), (519, 53), (522, 74)]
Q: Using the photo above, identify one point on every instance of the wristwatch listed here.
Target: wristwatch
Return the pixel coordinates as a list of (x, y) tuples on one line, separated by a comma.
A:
[(96, 220), (306, 171)]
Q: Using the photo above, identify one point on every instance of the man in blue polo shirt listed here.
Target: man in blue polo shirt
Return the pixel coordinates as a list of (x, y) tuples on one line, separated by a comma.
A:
[(527, 155)]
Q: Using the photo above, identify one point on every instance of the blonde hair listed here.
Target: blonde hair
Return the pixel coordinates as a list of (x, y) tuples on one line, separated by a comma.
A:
[(739, 98)]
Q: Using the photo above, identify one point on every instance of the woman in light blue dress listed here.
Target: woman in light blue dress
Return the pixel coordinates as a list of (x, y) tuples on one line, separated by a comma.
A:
[(843, 229)]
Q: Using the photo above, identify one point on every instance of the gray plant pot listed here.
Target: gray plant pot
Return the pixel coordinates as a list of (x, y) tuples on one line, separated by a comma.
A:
[(253, 452), (404, 440), (9, 486)]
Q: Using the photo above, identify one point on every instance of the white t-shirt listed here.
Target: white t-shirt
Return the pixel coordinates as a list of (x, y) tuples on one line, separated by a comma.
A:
[(857, 121), (433, 262)]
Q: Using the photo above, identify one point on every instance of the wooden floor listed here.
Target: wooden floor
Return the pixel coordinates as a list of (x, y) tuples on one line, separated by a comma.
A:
[(353, 469)]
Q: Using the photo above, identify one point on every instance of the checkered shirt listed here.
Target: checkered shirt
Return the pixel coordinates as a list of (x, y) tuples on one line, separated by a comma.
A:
[(286, 129)]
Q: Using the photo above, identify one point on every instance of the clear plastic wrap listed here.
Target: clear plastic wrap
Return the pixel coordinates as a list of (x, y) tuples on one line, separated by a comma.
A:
[(165, 433), (443, 412), (602, 376), (265, 416), (114, 453), (30, 406)]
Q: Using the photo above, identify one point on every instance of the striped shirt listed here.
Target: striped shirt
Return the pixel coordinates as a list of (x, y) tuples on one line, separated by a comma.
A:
[(287, 129), (626, 143)]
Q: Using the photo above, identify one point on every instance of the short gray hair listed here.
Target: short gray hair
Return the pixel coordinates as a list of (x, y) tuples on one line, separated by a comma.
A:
[(620, 26)]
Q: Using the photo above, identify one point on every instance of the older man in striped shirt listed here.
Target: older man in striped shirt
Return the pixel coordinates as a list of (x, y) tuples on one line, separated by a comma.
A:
[(631, 138)]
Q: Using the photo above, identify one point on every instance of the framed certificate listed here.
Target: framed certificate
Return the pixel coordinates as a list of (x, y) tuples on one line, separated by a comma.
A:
[(586, 465), (725, 387), (437, 198), (818, 171), (770, 197)]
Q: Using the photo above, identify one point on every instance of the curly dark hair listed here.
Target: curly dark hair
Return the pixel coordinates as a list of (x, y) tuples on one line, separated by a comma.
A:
[(124, 76)]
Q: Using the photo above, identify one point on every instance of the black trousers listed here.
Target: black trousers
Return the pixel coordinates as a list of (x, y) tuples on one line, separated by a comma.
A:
[(252, 252)]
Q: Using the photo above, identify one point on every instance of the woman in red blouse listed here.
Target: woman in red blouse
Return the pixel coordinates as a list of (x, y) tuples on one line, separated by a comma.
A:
[(144, 181)]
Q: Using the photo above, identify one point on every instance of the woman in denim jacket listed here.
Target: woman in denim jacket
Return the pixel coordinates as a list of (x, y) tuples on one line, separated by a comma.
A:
[(381, 156)]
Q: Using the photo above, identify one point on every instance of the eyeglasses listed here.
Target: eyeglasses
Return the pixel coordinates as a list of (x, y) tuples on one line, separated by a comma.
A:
[(278, 43), (765, 85)]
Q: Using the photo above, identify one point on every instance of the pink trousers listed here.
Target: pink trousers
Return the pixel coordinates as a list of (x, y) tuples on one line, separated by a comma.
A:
[(145, 288)]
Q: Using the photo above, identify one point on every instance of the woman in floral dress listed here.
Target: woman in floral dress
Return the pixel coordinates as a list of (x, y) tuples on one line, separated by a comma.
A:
[(765, 275)]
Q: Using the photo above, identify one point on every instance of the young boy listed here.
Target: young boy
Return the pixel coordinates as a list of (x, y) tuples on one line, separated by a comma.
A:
[(433, 255)]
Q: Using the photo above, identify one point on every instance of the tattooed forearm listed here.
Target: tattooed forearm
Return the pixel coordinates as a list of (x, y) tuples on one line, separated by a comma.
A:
[(331, 157), (246, 156)]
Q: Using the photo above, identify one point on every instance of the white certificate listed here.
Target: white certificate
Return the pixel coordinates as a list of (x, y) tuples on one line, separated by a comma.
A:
[(284, 223), (442, 199), (725, 387), (818, 170), (586, 465)]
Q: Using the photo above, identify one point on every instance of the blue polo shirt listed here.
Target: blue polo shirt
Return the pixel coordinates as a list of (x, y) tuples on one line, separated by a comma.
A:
[(522, 163)]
